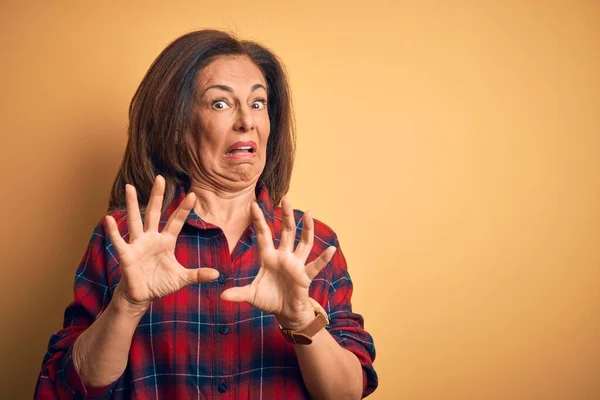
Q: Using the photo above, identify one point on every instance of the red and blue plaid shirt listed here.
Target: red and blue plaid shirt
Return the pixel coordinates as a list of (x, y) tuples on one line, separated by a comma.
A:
[(192, 344)]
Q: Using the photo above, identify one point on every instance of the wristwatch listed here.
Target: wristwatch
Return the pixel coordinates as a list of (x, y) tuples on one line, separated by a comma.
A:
[(305, 335)]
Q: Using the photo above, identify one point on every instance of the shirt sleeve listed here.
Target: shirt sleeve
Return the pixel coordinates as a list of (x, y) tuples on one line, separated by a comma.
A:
[(58, 378), (347, 327)]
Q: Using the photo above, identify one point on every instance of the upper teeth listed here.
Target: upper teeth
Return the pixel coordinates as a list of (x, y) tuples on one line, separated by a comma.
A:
[(244, 148)]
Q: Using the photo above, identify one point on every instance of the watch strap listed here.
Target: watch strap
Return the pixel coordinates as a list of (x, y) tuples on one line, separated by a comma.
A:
[(304, 336)]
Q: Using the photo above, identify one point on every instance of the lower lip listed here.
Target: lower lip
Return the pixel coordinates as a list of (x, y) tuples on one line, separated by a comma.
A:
[(240, 156)]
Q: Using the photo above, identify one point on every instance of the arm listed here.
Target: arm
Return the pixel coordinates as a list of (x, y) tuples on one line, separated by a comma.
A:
[(339, 362), (100, 353), (93, 347), (345, 326), (329, 371), (87, 357), (59, 379)]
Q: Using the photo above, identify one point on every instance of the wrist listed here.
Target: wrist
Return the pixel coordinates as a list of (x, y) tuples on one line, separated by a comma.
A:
[(300, 331), (300, 319), (123, 306)]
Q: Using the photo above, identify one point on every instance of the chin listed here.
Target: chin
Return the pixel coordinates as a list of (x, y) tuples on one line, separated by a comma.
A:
[(246, 174)]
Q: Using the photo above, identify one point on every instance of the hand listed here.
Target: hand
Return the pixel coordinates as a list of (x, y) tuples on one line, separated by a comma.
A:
[(149, 269), (281, 286)]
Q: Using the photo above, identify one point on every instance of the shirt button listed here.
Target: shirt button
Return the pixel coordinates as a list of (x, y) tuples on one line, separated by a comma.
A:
[(222, 388), (222, 278), (223, 329)]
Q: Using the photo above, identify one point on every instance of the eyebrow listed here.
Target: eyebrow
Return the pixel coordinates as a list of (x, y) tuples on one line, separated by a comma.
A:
[(230, 90)]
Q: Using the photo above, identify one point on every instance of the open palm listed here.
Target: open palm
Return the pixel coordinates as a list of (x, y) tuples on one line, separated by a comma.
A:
[(281, 285), (149, 269)]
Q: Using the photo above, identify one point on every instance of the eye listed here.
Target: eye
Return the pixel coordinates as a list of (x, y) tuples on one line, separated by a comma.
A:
[(220, 104), (259, 104)]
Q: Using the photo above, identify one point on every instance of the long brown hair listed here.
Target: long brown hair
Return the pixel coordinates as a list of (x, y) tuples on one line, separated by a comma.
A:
[(161, 111)]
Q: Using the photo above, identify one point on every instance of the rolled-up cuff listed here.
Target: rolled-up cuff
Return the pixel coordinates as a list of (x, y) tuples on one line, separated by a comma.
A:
[(370, 379), (73, 380)]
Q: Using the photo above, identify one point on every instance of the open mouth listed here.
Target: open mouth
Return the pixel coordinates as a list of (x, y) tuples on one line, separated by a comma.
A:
[(241, 150), (245, 149)]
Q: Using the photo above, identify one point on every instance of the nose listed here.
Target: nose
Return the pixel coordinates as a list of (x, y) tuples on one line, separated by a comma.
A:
[(244, 121)]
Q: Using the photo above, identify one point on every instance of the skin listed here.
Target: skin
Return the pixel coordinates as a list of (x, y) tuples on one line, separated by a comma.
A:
[(230, 107)]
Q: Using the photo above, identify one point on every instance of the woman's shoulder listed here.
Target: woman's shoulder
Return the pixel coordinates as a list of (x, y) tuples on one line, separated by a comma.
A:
[(324, 235), (323, 232), (120, 216)]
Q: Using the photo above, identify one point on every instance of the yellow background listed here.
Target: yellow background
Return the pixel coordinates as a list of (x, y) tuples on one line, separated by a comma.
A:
[(452, 145)]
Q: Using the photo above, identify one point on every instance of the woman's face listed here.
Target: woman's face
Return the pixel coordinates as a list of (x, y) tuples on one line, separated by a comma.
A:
[(228, 140)]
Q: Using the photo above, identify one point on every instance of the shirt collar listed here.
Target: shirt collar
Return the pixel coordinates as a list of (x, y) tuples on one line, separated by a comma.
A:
[(262, 198)]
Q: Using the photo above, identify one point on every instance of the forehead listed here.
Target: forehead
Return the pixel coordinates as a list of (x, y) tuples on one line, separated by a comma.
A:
[(234, 71)]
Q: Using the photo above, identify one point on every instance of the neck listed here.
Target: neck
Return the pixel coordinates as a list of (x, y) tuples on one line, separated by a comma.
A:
[(223, 208)]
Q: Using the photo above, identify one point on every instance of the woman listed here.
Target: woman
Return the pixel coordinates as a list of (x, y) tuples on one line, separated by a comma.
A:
[(196, 285)]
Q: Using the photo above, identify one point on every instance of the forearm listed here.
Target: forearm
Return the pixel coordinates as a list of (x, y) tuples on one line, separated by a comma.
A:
[(100, 353), (329, 371)]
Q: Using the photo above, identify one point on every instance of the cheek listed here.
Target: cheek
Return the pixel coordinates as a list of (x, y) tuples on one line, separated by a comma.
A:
[(265, 129), (211, 137)]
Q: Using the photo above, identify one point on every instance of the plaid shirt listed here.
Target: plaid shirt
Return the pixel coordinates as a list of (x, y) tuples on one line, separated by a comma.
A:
[(192, 344)]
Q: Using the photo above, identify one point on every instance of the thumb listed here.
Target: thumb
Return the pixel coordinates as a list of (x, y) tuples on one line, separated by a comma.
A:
[(238, 294), (200, 275)]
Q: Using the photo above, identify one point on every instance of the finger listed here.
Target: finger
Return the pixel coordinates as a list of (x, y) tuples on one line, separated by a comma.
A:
[(288, 226), (134, 219), (238, 294), (263, 233), (199, 275), (308, 236), (317, 265), (153, 209), (110, 226), (178, 218)]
